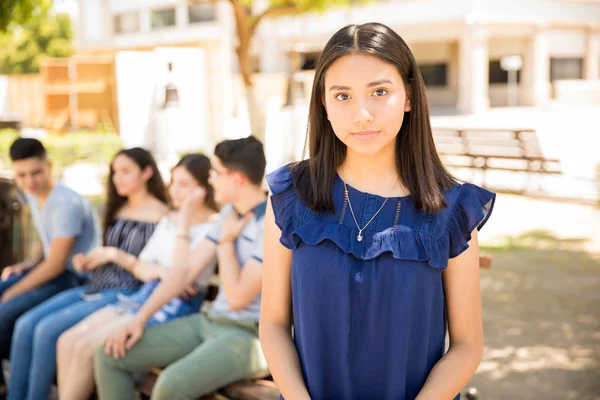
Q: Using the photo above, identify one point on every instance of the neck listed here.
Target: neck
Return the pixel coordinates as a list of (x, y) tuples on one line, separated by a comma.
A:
[(137, 199), (43, 196), (248, 198), (370, 171)]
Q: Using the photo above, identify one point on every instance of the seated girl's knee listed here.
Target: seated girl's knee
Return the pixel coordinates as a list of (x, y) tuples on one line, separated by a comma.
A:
[(165, 388)]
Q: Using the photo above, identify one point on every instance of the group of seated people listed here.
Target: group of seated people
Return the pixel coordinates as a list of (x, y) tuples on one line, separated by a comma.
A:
[(97, 303)]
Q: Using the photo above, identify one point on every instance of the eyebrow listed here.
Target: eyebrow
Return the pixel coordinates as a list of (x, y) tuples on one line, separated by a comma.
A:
[(370, 84)]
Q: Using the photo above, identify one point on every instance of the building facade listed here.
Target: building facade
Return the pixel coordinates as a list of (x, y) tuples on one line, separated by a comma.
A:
[(458, 44)]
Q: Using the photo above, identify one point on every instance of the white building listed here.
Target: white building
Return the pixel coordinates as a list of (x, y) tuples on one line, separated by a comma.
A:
[(109, 26), (457, 43)]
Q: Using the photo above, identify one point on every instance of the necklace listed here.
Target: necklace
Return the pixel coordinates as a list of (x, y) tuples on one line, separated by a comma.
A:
[(359, 237)]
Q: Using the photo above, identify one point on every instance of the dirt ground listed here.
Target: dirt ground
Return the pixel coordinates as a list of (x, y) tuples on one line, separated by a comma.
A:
[(541, 311)]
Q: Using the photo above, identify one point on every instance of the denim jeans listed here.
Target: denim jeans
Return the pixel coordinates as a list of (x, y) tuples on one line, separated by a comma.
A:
[(11, 310), (33, 351)]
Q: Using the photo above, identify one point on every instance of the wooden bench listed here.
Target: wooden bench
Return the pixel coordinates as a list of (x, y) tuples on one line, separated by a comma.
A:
[(259, 389), (515, 150)]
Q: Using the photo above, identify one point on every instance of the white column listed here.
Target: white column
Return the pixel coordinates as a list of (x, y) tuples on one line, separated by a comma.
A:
[(473, 70), (222, 82), (591, 69), (181, 16), (145, 20), (536, 70)]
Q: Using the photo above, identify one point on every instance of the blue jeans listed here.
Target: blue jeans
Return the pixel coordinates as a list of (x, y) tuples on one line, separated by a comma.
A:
[(11, 310), (33, 351)]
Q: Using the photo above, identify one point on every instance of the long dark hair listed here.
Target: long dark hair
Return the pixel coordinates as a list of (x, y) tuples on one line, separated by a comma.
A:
[(417, 161), (155, 184), (198, 165)]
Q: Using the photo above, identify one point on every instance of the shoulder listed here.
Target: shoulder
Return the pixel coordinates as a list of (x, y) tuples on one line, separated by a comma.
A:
[(469, 208), (282, 179), (155, 210), (67, 199), (225, 211), (62, 193)]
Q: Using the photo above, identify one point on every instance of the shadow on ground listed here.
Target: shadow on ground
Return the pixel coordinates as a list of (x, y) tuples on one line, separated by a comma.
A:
[(541, 310)]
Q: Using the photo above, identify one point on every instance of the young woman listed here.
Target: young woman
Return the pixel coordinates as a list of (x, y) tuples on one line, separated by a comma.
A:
[(370, 244), (136, 201), (175, 237)]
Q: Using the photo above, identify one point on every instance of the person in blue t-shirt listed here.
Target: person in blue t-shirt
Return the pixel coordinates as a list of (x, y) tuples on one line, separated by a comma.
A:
[(370, 244), (66, 225)]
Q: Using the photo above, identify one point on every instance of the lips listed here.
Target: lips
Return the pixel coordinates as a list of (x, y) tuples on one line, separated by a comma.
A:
[(365, 135)]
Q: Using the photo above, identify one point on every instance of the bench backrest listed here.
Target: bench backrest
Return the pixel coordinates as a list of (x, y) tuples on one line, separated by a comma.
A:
[(521, 143)]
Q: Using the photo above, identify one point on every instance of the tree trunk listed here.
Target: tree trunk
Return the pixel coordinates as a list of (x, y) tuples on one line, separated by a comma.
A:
[(245, 31), (256, 114)]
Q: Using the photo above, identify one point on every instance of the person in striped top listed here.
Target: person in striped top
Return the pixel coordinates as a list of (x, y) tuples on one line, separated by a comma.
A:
[(177, 236), (136, 201)]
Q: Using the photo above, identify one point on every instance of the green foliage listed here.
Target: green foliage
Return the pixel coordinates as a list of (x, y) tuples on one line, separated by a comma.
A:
[(66, 149), (42, 34), (17, 11)]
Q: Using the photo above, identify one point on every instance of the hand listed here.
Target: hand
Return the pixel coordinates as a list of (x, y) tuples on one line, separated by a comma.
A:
[(191, 203), (123, 340), (232, 226), (98, 257), (15, 269), (189, 292), (78, 261)]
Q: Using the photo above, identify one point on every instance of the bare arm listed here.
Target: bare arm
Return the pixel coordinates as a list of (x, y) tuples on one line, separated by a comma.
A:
[(142, 270), (276, 315), (241, 285), (181, 276), (53, 266), (461, 286)]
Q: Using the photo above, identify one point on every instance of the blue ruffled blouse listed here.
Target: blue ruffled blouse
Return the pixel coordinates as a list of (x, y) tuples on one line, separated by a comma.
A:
[(369, 316)]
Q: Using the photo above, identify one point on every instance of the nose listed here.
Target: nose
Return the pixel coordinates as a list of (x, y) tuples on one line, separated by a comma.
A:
[(363, 116)]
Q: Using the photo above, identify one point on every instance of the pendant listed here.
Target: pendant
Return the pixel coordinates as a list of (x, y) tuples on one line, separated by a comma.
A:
[(359, 237)]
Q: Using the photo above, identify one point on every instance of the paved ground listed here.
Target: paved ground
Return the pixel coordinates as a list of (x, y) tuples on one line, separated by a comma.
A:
[(542, 326)]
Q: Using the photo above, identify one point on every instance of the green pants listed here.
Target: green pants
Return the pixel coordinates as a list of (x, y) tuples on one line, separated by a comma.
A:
[(201, 353)]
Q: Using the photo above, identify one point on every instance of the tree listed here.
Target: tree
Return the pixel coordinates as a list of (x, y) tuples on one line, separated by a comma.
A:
[(17, 11), (22, 47), (246, 23)]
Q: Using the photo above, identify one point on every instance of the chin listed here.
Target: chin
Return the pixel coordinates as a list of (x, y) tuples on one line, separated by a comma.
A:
[(370, 147)]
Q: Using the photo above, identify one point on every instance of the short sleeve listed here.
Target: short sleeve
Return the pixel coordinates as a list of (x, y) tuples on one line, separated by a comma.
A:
[(284, 200), (153, 245), (66, 220), (471, 210), (258, 251)]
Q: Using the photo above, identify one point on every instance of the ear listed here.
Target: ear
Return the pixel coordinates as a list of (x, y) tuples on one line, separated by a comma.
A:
[(407, 106), (147, 173)]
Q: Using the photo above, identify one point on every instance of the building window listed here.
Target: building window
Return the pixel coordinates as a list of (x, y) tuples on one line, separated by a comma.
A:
[(566, 68), (434, 75), (162, 18), (498, 75), (127, 22), (201, 13)]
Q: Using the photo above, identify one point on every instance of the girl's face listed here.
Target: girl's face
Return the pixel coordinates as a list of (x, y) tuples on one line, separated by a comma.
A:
[(182, 184), (365, 100), (128, 177)]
